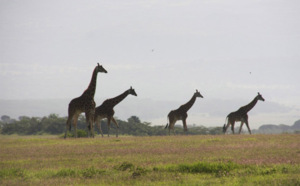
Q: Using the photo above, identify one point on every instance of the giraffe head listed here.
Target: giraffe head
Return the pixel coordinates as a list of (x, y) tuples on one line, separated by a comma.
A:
[(259, 97), (132, 91), (197, 94), (100, 68)]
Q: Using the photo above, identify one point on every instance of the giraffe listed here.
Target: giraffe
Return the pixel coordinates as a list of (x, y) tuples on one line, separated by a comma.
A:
[(241, 115), (84, 103), (106, 109), (181, 113)]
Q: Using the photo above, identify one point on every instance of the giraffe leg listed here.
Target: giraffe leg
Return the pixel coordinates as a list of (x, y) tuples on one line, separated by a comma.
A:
[(171, 125), (242, 123), (115, 122), (75, 119), (90, 122), (228, 124), (92, 127), (108, 125), (184, 126), (68, 124), (87, 117), (247, 124), (232, 128), (98, 122)]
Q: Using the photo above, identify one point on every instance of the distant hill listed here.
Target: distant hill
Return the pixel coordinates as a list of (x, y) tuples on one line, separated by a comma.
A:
[(278, 129)]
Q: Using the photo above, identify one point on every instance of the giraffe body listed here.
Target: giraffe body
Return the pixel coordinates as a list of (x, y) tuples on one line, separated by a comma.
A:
[(84, 103), (106, 110), (241, 115), (181, 113)]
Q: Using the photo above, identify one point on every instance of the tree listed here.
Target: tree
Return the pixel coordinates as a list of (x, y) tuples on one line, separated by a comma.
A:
[(54, 124), (5, 119), (134, 119)]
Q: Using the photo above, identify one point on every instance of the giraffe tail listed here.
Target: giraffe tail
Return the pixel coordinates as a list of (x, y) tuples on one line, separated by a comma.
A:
[(224, 126), (226, 119), (167, 124)]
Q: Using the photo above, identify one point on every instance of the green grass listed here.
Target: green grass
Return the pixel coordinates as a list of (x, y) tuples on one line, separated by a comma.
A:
[(159, 160)]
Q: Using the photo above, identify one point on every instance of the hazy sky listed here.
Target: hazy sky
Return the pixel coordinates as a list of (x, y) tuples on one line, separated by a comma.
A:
[(228, 50)]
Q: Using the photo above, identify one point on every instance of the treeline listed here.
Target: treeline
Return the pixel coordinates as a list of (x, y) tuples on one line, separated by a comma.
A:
[(278, 129), (53, 124)]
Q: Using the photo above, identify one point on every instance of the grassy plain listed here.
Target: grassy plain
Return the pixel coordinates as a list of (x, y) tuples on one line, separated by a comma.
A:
[(157, 160)]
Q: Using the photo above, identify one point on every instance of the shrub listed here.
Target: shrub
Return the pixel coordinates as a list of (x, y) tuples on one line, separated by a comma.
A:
[(124, 166), (66, 173), (80, 134), (206, 167), (14, 172)]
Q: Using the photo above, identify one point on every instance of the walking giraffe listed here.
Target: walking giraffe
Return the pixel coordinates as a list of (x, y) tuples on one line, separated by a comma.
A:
[(84, 103), (241, 115), (106, 110), (181, 113)]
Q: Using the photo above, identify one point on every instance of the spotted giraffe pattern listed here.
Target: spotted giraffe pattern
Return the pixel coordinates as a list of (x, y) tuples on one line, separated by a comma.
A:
[(106, 110), (241, 115), (181, 113), (84, 103)]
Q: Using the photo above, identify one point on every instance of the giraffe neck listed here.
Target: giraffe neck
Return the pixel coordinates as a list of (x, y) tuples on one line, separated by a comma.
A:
[(189, 104), (248, 107), (90, 91), (116, 100)]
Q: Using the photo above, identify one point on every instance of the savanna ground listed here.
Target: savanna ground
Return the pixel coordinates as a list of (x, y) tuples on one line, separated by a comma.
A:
[(157, 160)]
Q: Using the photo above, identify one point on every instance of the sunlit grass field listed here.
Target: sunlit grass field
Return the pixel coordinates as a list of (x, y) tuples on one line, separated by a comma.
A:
[(158, 160)]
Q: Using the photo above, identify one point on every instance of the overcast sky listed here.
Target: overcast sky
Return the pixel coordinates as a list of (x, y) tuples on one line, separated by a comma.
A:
[(228, 50)]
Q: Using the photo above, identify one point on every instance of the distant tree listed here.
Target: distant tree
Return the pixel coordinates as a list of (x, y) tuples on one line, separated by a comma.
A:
[(5, 119), (24, 118), (53, 116), (54, 124), (147, 123), (134, 119), (216, 130)]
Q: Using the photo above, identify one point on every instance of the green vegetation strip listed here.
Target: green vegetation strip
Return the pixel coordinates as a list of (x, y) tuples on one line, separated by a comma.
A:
[(230, 168), (65, 172), (215, 168)]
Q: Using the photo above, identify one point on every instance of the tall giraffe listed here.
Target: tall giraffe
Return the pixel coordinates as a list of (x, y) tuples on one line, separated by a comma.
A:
[(181, 113), (84, 103), (106, 109), (241, 115)]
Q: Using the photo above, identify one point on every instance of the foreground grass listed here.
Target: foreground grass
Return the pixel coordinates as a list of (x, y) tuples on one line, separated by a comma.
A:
[(161, 160)]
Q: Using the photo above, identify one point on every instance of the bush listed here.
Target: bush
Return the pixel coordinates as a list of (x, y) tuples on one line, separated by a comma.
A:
[(66, 173), (80, 134), (124, 166), (206, 167)]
